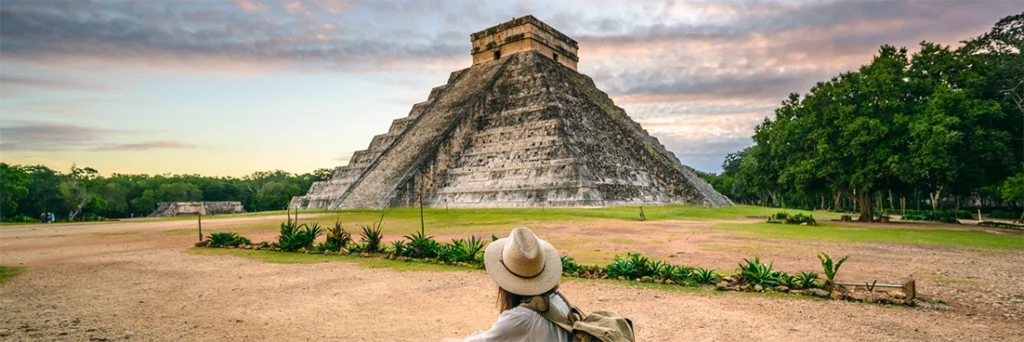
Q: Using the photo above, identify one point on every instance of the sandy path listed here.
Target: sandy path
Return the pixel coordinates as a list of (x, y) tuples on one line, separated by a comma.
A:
[(144, 287)]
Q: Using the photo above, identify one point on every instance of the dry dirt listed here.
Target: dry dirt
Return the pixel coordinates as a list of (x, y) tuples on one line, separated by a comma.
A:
[(128, 281)]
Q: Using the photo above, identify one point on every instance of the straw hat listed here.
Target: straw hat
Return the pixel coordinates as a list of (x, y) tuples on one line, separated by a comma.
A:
[(523, 264)]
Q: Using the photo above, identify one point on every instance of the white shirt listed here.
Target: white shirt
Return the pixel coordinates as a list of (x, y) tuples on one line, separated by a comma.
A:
[(520, 324)]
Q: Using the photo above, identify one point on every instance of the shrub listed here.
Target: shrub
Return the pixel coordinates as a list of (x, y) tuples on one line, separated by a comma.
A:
[(787, 280), (570, 266), (224, 239), (830, 268), (372, 237), (337, 238), (682, 273), (1004, 214), (473, 248), (947, 216), (756, 273), (807, 280), (704, 276), (294, 237), (398, 247), (421, 246), (621, 267)]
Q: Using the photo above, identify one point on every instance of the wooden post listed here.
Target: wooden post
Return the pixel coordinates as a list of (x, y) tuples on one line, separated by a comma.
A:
[(423, 227), (200, 227)]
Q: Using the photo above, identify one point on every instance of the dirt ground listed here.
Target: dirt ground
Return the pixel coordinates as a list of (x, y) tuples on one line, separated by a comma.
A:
[(134, 281)]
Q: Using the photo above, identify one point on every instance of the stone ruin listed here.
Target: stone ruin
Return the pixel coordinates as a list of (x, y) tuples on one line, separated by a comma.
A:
[(519, 128), (195, 208)]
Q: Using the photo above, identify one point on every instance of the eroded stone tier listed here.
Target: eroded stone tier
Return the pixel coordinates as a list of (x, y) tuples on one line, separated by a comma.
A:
[(521, 131)]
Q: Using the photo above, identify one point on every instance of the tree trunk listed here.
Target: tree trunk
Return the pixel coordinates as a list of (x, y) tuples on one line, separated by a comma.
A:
[(935, 198), (866, 209), (835, 202)]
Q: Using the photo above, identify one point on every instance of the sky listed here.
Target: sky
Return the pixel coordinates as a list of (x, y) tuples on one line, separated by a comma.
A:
[(225, 88)]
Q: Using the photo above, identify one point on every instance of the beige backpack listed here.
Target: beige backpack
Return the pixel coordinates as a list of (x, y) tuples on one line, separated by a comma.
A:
[(598, 326)]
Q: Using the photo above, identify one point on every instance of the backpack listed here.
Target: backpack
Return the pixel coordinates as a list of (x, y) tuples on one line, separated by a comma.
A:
[(598, 326)]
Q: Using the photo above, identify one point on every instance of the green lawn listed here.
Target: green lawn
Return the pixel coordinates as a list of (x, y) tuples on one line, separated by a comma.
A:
[(7, 272), (299, 258), (407, 220), (842, 233)]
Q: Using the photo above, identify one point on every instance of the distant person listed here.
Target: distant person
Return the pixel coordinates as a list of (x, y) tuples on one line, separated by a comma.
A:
[(43, 217), (52, 218), (523, 266)]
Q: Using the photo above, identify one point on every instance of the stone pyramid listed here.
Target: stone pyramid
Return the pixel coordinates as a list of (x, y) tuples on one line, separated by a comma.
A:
[(523, 129)]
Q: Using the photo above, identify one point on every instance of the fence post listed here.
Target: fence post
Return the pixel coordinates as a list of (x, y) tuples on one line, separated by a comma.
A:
[(200, 227)]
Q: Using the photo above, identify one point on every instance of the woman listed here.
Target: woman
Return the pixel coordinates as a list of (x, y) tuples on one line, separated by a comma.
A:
[(524, 266)]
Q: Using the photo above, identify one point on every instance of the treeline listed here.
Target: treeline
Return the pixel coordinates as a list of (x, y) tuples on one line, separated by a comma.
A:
[(83, 194), (939, 126)]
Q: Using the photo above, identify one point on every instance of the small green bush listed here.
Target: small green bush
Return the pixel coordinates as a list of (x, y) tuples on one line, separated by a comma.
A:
[(225, 239), (372, 238), (807, 280), (704, 276), (756, 273), (1004, 214)]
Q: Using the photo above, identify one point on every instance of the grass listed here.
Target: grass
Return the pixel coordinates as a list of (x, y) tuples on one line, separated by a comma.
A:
[(841, 233), (438, 220), (8, 272), (299, 258)]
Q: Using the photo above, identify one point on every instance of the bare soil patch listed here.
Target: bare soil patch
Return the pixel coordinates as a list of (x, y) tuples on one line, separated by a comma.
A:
[(141, 285)]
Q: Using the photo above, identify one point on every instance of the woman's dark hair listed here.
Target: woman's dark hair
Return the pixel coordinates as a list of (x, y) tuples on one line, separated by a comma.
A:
[(508, 300)]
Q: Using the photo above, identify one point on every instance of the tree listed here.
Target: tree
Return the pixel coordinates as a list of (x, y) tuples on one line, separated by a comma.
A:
[(75, 189), (179, 192), (13, 187)]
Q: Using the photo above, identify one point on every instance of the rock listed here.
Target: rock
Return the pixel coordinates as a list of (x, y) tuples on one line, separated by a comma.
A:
[(746, 287), (364, 255), (898, 295), (797, 292), (239, 321), (819, 293), (645, 279), (620, 278), (782, 288), (62, 333), (728, 279), (836, 295), (758, 288), (722, 286), (344, 252), (670, 282), (4, 332)]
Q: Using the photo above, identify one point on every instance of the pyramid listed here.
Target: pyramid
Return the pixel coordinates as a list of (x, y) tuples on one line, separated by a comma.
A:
[(519, 128)]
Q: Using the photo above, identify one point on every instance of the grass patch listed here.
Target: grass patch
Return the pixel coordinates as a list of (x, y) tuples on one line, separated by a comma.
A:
[(8, 272), (299, 258), (840, 233)]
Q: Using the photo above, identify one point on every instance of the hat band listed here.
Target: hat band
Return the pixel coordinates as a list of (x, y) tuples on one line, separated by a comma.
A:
[(522, 276)]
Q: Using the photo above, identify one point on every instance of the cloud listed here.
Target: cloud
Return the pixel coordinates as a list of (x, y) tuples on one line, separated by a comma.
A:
[(9, 81), (54, 136)]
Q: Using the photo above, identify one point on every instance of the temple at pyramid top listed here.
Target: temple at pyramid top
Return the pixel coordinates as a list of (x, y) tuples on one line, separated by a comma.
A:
[(524, 34)]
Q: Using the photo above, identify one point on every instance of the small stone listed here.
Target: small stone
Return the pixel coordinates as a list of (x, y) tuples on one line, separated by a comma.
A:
[(722, 286), (746, 287), (4, 332), (645, 279), (239, 321), (835, 295), (819, 293), (758, 288), (62, 333), (670, 282), (898, 295), (797, 292), (620, 278), (782, 288)]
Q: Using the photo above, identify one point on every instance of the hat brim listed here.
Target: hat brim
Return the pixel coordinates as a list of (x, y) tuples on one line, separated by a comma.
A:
[(547, 279)]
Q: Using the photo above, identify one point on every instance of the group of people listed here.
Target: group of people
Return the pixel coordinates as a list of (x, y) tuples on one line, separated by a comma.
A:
[(46, 218)]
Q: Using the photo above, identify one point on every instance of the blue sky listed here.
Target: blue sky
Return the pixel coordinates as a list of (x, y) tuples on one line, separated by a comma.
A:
[(231, 87)]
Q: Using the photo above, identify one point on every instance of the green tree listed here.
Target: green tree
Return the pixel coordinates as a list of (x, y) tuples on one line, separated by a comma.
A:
[(179, 192), (77, 189), (13, 188)]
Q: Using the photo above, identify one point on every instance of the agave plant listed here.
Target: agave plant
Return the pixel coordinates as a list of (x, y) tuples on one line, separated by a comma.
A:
[(664, 271), (704, 276), (682, 273), (227, 239), (830, 268), (807, 280), (787, 280), (398, 247), (621, 267), (756, 273), (641, 266), (473, 248), (372, 238), (421, 246), (337, 237)]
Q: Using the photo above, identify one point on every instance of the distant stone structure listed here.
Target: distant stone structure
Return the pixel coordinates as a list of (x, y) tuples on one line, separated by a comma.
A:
[(519, 128), (193, 208)]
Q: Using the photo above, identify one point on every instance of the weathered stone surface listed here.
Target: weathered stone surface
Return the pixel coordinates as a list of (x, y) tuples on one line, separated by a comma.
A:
[(193, 208), (519, 131)]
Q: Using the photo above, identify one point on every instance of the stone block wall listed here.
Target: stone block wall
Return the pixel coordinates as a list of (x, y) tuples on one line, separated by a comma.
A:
[(196, 208)]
